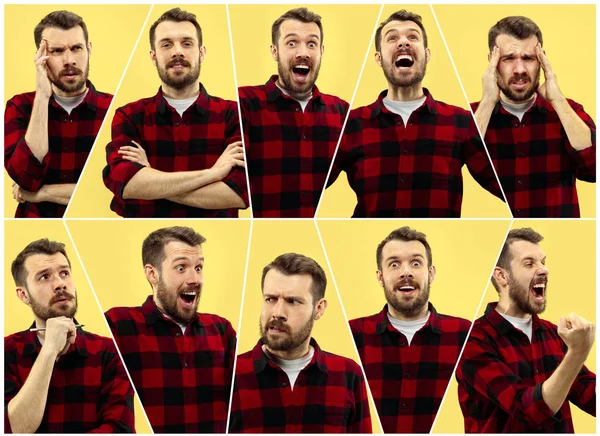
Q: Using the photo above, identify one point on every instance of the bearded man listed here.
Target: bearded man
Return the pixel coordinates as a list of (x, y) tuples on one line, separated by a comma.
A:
[(180, 361), (519, 372), (49, 133), (287, 384), (179, 153), (403, 154), (59, 378), (408, 350), (540, 142), (291, 129)]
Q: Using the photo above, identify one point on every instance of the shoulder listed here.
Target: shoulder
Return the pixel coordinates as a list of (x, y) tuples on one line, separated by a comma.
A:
[(15, 341), (335, 362), (335, 100), (211, 321), (22, 100), (245, 363), (450, 323), (249, 92), (451, 110), (117, 314), (366, 324), (96, 343), (137, 106)]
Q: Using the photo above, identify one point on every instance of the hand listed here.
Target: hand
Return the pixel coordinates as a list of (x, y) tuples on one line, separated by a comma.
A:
[(22, 196), (60, 334), (43, 87), (134, 154), (577, 333), (549, 90), (489, 81), (232, 156)]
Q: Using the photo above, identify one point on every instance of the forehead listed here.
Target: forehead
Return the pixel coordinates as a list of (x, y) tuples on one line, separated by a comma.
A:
[(400, 26), (510, 44), (305, 30), (398, 248), (60, 37), (39, 262), (524, 249), (176, 249), (175, 30), (277, 283)]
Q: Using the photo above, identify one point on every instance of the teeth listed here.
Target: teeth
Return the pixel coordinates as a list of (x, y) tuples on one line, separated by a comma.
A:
[(189, 293), (305, 67), (404, 56), (407, 287)]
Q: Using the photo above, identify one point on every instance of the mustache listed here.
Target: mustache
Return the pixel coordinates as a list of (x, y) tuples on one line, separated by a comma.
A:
[(519, 77), (277, 324), (70, 70), (407, 282), (543, 280), (178, 61), (194, 288), (60, 296)]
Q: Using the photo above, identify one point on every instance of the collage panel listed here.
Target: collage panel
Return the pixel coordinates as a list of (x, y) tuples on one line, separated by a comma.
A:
[(297, 369), (54, 110), (292, 121), (410, 148), (181, 363), (65, 375), (515, 345), (543, 144), (410, 305), (173, 146)]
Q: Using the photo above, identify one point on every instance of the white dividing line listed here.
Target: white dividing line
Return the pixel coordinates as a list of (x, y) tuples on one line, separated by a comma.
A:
[(348, 325), (95, 145), (105, 321)]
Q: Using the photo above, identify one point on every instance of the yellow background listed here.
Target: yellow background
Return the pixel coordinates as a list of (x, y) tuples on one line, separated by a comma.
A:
[(269, 240), (18, 316), (569, 33), (571, 259), (92, 198), (112, 30), (339, 200)]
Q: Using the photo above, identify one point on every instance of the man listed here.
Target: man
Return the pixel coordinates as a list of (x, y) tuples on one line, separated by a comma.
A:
[(49, 133), (408, 350), (518, 372), (180, 361), (539, 141), (59, 378), (403, 154), (287, 384), (290, 128), (179, 153)]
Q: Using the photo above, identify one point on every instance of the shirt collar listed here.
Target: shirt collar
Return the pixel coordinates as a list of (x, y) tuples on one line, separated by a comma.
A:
[(91, 98), (504, 326), (383, 323), (33, 345), (430, 104), (539, 104), (201, 104), (261, 361), (153, 314), (273, 92)]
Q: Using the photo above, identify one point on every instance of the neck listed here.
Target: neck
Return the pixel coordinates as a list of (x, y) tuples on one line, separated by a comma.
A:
[(508, 100), (422, 313), (62, 93), (298, 352), (294, 95), (180, 94), (410, 93), (507, 307)]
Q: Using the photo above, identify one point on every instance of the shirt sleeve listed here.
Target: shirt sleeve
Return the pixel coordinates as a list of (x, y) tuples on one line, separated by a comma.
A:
[(118, 171), (12, 384), (584, 160), (361, 422), (236, 179), (482, 371), (583, 391), (20, 163)]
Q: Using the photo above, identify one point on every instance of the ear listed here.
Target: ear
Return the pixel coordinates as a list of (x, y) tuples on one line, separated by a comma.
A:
[(153, 57), (378, 58), (202, 53), (152, 275), (431, 273), (320, 309), (427, 55), (322, 49), (23, 295), (274, 53), (89, 47), (379, 278), (501, 276)]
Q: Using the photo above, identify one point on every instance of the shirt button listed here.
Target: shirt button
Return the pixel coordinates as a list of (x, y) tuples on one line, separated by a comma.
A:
[(304, 166), (401, 180), (405, 151), (303, 136), (304, 193), (185, 364), (519, 154), (64, 176), (518, 211), (398, 123), (297, 109), (399, 212), (519, 182), (177, 334), (516, 125), (404, 405), (188, 426), (407, 375), (284, 385), (537, 371), (66, 148), (402, 344), (65, 120), (177, 123), (179, 152), (188, 395)]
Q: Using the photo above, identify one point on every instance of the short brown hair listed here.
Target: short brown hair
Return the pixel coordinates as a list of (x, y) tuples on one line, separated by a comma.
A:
[(524, 234), (41, 246), (177, 15), (517, 26), (404, 234), (64, 20), (153, 252), (401, 15), (291, 264), (299, 14)]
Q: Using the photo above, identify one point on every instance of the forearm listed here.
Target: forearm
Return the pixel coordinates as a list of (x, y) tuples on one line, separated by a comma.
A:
[(483, 114), (151, 184), (577, 131), (26, 409), (214, 196), (36, 136), (60, 193), (557, 387)]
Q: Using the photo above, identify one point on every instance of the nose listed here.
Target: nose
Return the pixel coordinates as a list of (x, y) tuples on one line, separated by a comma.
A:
[(302, 51), (194, 278), (519, 66), (543, 271), (59, 283), (177, 51), (406, 271), (403, 42), (279, 311), (68, 58)]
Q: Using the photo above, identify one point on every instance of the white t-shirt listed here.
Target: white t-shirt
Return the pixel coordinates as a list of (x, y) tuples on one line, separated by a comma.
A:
[(408, 328), (523, 324), (70, 103), (291, 367), (518, 109), (181, 105), (403, 108), (303, 102), (182, 326)]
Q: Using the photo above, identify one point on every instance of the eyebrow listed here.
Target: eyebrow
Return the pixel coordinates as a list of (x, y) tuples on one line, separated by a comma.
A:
[(295, 297), (413, 29), (47, 270), (289, 35), (185, 258), (532, 258), (414, 255)]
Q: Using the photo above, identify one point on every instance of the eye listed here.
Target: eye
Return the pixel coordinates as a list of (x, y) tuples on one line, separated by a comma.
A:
[(180, 268), (395, 264), (187, 44), (392, 38), (416, 263), (44, 277), (166, 45), (199, 268), (312, 44), (291, 44), (270, 299), (65, 273), (413, 37), (76, 48)]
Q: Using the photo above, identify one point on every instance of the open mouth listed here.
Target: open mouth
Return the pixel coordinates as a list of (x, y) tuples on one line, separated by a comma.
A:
[(404, 61), (188, 298), (301, 70), (538, 290)]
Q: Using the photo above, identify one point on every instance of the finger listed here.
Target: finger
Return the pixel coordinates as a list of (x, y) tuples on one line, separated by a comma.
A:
[(240, 163), (40, 50), (42, 60), (495, 57), (562, 324), (237, 143), (128, 153), (238, 156), (132, 159), (136, 144)]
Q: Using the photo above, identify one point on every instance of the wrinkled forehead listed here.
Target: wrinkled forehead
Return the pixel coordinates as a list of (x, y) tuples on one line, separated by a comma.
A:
[(290, 28), (279, 284), (177, 250), (399, 249), (523, 250), (63, 38), (510, 45), (397, 26), (39, 262), (175, 31)]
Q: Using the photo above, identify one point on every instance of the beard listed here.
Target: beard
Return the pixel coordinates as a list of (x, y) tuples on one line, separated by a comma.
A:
[(71, 87), (410, 308), (519, 295), (403, 82), (285, 75), (290, 340), (179, 81), (168, 300), (519, 97), (54, 310)]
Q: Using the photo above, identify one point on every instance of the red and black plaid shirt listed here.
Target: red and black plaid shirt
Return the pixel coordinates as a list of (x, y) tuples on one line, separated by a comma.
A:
[(535, 162), (183, 380), (172, 143), (70, 139), (415, 170), (408, 382), (89, 390), (288, 151), (329, 396), (500, 377)]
